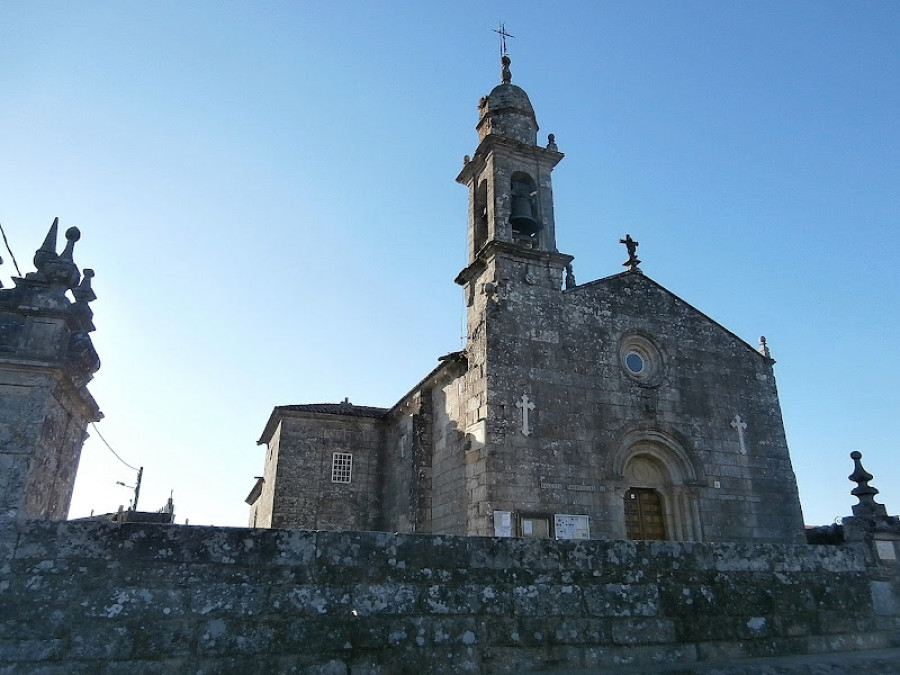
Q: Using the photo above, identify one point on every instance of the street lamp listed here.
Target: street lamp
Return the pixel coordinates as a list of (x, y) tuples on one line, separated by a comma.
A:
[(137, 488)]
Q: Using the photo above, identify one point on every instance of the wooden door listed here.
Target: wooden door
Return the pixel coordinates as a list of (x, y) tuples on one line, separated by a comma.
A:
[(644, 517)]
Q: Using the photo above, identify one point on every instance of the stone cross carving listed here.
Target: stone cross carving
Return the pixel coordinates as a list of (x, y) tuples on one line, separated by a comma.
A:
[(525, 405), (631, 245), (740, 426)]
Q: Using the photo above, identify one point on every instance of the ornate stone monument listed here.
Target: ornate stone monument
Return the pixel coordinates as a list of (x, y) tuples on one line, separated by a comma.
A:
[(46, 361)]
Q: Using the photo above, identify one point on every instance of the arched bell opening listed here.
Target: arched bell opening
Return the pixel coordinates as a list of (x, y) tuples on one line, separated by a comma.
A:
[(523, 216), (480, 217)]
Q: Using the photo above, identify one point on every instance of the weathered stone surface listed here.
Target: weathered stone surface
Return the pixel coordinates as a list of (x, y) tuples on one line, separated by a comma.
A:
[(46, 361), (105, 597)]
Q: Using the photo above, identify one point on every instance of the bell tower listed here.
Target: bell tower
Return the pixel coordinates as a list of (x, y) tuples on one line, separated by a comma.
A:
[(513, 289), (510, 192)]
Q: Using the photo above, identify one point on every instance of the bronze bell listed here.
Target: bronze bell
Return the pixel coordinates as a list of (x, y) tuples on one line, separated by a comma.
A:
[(522, 218)]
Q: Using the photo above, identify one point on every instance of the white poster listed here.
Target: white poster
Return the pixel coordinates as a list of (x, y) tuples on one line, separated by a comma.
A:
[(502, 524), (572, 527)]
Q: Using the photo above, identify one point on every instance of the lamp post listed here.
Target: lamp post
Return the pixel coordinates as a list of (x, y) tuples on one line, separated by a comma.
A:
[(137, 488)]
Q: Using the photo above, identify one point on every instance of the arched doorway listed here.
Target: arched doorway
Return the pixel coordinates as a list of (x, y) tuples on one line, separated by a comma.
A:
[(657, 500), (644, 515)]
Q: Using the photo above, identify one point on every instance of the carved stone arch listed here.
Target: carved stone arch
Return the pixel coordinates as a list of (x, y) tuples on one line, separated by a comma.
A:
[(665, 447), (652, 460)]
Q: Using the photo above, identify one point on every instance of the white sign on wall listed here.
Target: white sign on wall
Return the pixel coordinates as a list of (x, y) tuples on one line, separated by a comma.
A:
[(572, 527), (502, 523)]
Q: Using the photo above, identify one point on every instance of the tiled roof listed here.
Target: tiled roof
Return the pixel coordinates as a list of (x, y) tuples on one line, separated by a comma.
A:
[(337, 409), (346, 408)]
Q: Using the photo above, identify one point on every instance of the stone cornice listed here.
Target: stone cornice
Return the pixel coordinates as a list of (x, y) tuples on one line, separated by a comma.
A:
[(494, 248), (492, 143)]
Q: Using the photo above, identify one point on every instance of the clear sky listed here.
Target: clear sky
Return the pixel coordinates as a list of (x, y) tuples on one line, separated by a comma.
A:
[(266, 193)]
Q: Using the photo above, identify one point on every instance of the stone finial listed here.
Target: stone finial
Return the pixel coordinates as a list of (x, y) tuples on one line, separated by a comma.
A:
[(56, 271), (47, 252), (763, 347), (84, 295), (551, 142), (63, 270), (570, 277), (73, 234), (83, 291), (867, 506), (633, 261), (505, 73)]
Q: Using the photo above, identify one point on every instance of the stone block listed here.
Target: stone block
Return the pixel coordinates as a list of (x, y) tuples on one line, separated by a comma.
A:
[(642, 631), (310, 600), (218, 598), (884, 598), (234, 636), (136, 602), (30, 651), (547, 600), (466, 599), (383, 599), (622, 600)]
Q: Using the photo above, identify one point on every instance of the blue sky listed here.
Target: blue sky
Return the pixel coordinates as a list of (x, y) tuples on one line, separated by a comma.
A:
[(266, 193)]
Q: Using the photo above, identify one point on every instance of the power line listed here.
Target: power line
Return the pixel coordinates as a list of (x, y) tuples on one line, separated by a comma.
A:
[(110, 448), (5, 241)]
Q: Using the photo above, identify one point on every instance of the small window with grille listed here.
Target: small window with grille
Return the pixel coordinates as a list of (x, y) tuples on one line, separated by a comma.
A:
[(341, 467)]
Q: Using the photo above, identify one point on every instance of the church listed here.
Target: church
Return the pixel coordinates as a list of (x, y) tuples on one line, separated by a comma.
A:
[(607, 409)]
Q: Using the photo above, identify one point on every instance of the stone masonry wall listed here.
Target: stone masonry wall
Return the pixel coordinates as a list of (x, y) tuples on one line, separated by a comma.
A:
[(42, 428), (744, 486), (138, 598), (304, 494), (589, 419), (453, 466), (398, 483)]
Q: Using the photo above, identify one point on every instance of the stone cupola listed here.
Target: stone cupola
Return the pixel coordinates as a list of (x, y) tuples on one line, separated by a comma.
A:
[(508, 177), (506, 111)]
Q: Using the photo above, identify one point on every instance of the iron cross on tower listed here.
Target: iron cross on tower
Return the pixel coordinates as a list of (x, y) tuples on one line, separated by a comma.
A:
[(503, 35)]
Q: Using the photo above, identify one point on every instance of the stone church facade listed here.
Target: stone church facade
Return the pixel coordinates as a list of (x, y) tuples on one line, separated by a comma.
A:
[(609, 409)]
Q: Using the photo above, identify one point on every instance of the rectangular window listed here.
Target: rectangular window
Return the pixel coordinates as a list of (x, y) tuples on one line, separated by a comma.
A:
[(341, 467)]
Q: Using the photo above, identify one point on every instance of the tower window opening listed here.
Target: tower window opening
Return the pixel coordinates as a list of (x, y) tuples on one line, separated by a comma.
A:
[(523, 214), (480, 217)]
